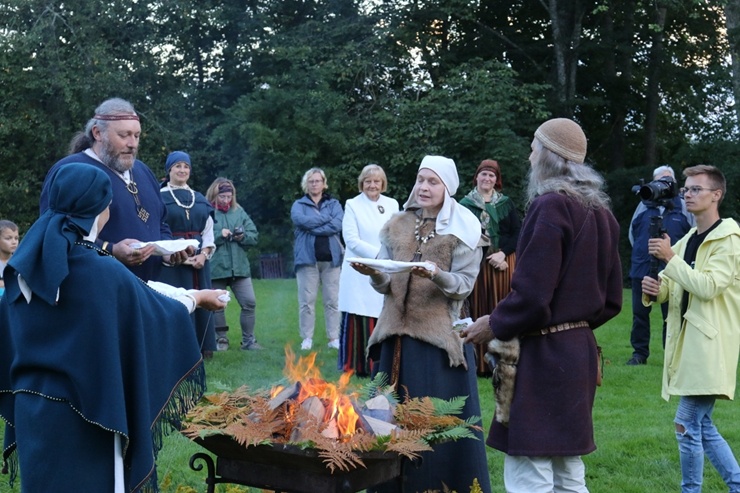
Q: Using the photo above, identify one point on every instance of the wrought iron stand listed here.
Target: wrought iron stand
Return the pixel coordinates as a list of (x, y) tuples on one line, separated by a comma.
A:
[(286, 469)]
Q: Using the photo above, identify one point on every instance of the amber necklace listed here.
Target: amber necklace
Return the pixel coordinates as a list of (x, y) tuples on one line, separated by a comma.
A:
[(419, 238)]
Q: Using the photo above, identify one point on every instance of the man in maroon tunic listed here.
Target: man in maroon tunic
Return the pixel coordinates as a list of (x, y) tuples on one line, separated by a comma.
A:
[(567, 283)]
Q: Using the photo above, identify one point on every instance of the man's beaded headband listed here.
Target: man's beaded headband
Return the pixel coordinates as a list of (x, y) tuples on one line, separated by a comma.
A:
[(116, 117)]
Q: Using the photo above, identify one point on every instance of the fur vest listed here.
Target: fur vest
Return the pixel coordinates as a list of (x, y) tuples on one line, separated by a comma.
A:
[(415, 306)]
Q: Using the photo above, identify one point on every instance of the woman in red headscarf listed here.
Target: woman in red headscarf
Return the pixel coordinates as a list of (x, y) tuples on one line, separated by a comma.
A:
[(500, 223)]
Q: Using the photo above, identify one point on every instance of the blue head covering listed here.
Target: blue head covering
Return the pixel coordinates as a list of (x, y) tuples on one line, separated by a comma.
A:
[(174, 158), (78, 193)]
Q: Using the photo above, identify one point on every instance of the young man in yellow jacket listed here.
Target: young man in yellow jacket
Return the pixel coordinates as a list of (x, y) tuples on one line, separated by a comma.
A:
[(700, 282)]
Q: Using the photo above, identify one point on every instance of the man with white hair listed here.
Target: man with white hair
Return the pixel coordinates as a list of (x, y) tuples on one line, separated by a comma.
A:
[(676, 222)]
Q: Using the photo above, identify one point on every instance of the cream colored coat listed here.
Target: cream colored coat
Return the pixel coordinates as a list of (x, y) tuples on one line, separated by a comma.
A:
[(701, 352), (361, 227)]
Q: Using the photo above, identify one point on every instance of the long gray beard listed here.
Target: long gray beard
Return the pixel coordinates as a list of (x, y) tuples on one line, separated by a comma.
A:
[(113, 162)]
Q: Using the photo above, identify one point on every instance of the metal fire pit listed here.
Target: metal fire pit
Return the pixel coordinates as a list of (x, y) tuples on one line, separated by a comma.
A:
[(287, 468)]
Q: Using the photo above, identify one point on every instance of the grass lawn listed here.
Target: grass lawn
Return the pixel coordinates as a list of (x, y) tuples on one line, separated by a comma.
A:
[(637, 451)]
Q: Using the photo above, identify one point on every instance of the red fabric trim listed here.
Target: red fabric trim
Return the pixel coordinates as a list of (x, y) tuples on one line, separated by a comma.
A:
[(117, 117)]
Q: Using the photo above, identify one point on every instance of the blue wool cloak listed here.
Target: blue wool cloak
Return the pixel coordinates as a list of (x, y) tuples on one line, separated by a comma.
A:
[(122, 356)]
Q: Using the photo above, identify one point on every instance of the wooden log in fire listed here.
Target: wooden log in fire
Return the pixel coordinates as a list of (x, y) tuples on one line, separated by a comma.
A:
[(288, 393)]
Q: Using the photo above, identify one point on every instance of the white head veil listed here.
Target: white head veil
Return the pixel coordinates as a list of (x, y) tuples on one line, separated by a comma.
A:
[(453, 219)]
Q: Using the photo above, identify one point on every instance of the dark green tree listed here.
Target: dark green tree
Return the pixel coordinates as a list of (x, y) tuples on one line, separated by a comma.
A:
[(59, 61)]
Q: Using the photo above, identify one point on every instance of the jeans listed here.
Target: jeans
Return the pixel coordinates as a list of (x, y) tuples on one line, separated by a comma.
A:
[(308, 278), (640, 335), (244, 294), (555, 474), (697, 436)]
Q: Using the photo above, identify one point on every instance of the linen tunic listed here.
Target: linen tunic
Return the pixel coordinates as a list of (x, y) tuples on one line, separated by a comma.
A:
[(419, 313), (568, 270)]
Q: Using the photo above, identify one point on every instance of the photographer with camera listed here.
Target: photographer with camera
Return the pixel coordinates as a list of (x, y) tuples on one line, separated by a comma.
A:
[(660, 209), (229, 264)]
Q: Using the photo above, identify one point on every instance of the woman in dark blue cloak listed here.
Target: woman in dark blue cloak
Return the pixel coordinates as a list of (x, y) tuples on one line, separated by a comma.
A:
[(86, 389)]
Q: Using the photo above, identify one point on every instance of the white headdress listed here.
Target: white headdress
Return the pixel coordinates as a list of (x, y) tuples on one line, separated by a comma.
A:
[(453, 219)]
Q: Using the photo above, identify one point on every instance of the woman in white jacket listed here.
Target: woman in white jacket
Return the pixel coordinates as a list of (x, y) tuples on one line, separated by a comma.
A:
[(360, 304)]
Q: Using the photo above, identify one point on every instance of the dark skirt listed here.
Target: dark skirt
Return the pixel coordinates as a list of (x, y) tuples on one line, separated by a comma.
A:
[(184, 276), (425, 370), (356, 330), (490, 287)]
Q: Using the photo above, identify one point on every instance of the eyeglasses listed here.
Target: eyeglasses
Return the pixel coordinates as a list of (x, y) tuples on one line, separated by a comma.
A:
[(314, 182), (694, 190)]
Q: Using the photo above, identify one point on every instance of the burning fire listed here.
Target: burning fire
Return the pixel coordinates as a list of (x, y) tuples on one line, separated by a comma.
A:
[(340, 425), (339, 411)]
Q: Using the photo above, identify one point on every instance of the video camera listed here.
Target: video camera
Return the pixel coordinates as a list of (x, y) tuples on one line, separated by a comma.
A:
[(660, 192)]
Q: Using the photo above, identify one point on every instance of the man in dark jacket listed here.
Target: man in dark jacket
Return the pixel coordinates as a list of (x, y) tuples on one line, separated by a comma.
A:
[(676, 222)]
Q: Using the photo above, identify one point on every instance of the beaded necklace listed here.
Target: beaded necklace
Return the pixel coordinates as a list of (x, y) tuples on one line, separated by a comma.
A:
[(93, 246), (421, 240), (192, 198)]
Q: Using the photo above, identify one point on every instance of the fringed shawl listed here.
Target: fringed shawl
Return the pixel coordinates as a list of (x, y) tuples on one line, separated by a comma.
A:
[(490, 213), (122, 355)]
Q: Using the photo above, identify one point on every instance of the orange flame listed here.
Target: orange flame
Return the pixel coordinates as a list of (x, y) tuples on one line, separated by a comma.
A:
[(337, 402)]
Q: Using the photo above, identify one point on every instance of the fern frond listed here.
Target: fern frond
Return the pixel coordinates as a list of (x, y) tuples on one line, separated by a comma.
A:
[(453, 406), (340, 457), (447, 435), (250, 418), (379, 386)]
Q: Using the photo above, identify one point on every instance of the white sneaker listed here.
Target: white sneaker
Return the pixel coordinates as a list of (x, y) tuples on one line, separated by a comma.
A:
[(306, 344), (333, 344)]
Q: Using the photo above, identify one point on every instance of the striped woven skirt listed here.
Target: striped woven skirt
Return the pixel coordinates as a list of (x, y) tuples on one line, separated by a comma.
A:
[(356, 330), (491, 286)]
